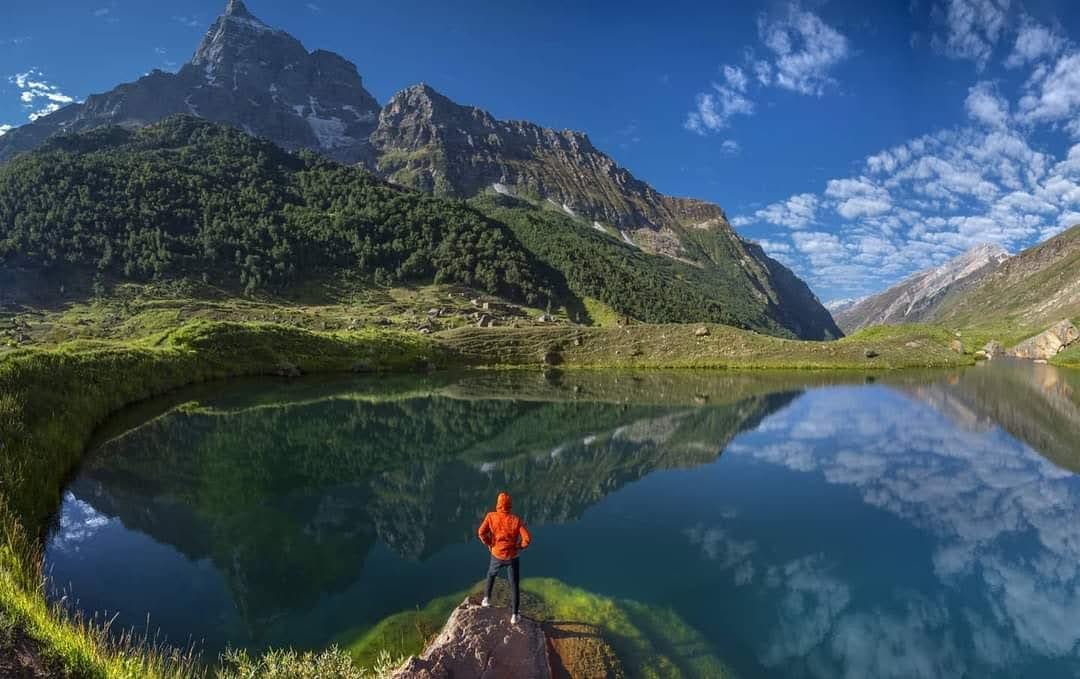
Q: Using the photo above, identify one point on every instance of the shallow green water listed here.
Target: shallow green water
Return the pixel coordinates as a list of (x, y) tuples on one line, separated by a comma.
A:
[(912, 525)]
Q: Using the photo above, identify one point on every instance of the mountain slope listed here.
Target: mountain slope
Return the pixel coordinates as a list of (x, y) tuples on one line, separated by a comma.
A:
[(918, 297), (1030, 291), (189, 199), (244, 73)]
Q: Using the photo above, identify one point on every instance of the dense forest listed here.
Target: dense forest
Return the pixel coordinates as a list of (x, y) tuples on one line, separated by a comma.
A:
[(186, 197)]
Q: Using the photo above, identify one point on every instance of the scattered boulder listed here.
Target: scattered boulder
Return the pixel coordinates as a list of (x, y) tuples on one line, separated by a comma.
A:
[(577, 341), (981, 355), (485, 321), (993, 348), (544, 318), (475, 301), (956, 346), (1048, 343), (701, 332), (434, 313), (481, 642), (424, 330), (287, 369), (870, 353)]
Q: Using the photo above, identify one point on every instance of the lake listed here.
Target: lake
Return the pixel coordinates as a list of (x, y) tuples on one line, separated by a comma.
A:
[(911, 524)]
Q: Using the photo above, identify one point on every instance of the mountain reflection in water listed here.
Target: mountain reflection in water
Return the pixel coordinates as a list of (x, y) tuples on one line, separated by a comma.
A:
[(916, 524)]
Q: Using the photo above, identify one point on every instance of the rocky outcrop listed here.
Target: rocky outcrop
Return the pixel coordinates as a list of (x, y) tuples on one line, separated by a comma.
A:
[(1048, 343), (915, 299), (481, 643), (244, 73)]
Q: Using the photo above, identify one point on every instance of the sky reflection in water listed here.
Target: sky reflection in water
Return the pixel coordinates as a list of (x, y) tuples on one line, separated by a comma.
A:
[(866, 530)]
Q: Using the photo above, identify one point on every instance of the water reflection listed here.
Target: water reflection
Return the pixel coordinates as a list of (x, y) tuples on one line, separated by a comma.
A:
[(914, 525)]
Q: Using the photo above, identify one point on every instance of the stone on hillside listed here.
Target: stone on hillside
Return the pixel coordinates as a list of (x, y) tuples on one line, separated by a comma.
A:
[(544, 318), (981, 355), (870, 353), (485, 321), (956, 346), (1047, 343), (701, 332), (481, 642), (993, 348)]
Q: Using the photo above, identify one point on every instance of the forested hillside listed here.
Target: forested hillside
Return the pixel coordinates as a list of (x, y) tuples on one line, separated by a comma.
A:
[(187, 197), (190, 199)]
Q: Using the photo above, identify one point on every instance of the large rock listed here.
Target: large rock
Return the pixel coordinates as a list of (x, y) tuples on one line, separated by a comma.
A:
[(480, 643), (1047, 343)]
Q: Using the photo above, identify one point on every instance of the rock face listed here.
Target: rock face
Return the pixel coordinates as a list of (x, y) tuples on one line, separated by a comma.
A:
[(916, 298), (480, 643), (1048, 343), (244, 73), (427, 141)]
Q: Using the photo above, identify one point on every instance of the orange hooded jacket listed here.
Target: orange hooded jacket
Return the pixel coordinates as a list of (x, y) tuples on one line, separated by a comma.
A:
[(503, 532)]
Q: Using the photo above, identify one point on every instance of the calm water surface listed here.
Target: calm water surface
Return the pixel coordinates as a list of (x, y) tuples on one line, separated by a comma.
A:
[(916, 525)]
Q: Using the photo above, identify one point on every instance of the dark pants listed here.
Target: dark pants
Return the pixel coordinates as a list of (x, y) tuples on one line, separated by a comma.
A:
[(497, 565)]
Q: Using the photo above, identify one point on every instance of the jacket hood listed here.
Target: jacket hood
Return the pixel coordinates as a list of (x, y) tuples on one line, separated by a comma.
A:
[(504, 503)]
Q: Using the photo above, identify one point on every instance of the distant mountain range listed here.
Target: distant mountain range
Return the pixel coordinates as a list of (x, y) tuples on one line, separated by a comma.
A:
[(263, 81), (982, 287), (916, 298)]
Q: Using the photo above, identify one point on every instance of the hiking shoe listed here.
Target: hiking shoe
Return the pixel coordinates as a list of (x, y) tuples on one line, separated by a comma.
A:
[(485, 603), (514, 619)]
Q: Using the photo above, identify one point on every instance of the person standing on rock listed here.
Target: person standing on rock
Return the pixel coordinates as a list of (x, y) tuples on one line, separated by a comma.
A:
[(505, 535)]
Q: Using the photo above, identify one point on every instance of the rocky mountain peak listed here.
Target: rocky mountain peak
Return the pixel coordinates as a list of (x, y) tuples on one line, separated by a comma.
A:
[(917, 297), (237, 8)]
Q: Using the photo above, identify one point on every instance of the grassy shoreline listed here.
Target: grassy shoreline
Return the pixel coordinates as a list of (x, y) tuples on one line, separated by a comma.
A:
[(52, 400)]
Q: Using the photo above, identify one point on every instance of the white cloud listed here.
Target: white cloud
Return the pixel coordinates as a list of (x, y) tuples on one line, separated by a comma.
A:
[(714, 109), (189, 21), (1055, 96), (1033, 42), (101, 11), (797, 212), (735, 78), (730, 146), (313, 7), (858, 197), (805, 48), (4, 129), (986, 106), (972, 28), (38, 96)]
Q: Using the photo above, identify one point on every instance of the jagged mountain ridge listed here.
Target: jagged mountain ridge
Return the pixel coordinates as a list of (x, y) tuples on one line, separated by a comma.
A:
[(263, 81), (244, 73), (1031, 290), (918, 297)]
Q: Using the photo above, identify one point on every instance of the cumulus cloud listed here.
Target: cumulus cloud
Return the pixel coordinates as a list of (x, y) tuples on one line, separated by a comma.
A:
[(927, 200), (986, 106), (804, 49), (1033, 42), (714, 109), (730, 146), (38, 96), (971, 28), (1053, 95), (800, 50), (858, 197), (797, 212)]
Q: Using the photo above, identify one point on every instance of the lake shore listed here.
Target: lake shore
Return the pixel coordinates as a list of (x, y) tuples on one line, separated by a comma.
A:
[(51, 401)]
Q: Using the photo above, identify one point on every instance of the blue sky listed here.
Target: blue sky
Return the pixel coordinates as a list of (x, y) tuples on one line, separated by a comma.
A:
[(859, 142)]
